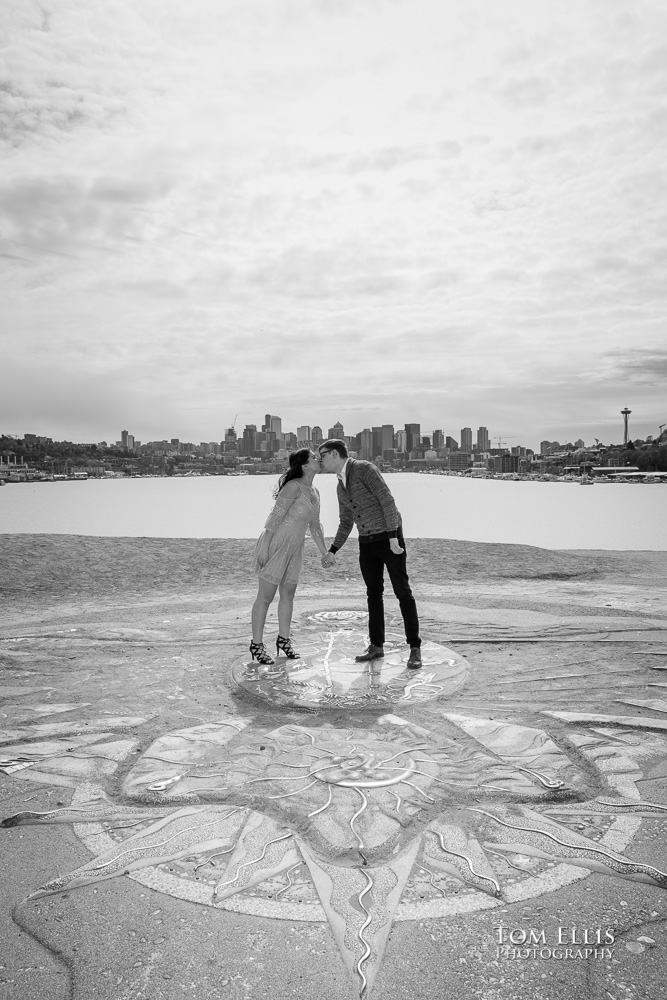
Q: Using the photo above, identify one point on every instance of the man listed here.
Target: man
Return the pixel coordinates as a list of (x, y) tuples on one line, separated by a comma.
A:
[(364, 499)]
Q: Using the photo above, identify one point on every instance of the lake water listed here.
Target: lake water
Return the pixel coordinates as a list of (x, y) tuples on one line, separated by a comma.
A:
[(549, 515)]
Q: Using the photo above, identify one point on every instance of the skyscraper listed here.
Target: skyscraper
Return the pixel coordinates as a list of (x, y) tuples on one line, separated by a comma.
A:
[(316, 435), (483, 443), (377, 442), (450, 443), (303, 436), (438, 439), (337, 431), (387, 437), (249, 440), (412, 432), (366, 444), (272, 423), (466, 439)]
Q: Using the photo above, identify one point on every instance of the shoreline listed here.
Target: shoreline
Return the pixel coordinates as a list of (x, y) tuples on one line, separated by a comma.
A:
[(55, 568)]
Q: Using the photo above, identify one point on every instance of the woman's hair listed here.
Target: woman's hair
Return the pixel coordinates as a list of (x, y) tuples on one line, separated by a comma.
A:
[(297, 460)]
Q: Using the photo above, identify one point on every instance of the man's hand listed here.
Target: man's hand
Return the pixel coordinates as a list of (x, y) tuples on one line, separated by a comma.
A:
[(329, 560), (395, 547)]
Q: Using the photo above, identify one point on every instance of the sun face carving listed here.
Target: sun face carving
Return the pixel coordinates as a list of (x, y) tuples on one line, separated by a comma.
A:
[(360, 828), (399, 820)]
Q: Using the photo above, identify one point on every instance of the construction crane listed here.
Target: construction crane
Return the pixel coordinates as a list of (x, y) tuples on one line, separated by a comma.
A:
[(501, 443)]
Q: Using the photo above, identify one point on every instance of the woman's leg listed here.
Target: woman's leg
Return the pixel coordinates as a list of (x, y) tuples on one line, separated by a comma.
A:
[(285, 606), (265, 594)]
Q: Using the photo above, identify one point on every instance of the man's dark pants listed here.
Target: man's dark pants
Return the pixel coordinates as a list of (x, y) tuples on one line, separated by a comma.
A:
[(373, 557)]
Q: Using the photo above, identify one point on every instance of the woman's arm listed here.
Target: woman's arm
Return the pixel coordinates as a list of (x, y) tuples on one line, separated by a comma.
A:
[(316, 529), (284, 501)]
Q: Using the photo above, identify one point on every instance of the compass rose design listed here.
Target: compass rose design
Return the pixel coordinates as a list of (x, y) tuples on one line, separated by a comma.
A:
[(361, 827)]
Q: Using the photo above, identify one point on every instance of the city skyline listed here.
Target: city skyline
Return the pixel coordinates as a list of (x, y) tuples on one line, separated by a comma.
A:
[(381, 438), (333, 207)]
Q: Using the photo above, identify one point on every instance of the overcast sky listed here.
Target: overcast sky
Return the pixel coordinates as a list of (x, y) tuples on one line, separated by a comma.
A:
[(375, 211)]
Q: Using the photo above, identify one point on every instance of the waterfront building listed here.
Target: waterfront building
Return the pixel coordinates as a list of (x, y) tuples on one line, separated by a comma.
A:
[(466, 439), (460, 460)]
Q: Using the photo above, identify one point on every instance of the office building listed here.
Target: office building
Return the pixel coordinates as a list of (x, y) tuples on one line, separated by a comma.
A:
[(412, 432), (273, 424), (483, 443), (451, 443), (248, 445), (316, 436), (401, 440), (459, 461), (303, 436), (466, 439), (387, 438), (438, 439), (366, 444), (337, 431)]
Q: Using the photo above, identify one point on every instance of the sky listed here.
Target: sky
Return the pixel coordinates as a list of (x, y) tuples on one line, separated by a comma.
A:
[(445, 212)]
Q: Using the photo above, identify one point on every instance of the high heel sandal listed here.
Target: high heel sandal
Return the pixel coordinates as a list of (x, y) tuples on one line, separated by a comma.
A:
[(258, 650), (287, 647)]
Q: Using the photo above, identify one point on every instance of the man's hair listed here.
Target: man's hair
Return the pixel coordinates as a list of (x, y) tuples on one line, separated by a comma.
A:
[(335, 444)]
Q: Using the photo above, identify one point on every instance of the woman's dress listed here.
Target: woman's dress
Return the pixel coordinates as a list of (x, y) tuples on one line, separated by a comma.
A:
[(289, 520)]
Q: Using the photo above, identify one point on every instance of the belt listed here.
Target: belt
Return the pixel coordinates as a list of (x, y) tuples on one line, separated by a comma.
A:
[(381, 536)]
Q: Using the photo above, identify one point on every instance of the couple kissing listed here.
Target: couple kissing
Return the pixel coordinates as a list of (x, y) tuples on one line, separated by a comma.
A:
[(364, 499)]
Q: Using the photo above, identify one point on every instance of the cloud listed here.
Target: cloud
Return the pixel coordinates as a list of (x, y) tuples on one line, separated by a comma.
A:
[(639, 365), (465, 204)]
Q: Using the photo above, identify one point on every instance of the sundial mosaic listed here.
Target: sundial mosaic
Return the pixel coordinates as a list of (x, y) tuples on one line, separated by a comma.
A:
[(326, 675), (413, 815)]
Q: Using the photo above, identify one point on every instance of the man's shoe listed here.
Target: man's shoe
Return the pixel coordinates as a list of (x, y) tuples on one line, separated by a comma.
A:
[(415, 658), (372, 653)]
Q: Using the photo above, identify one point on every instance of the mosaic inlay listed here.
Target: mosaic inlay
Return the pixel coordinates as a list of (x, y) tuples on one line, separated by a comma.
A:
[(361, 828), (326, 674)]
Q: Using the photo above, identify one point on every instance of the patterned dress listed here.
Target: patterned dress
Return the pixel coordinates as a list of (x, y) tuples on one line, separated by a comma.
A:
[(289, 520)]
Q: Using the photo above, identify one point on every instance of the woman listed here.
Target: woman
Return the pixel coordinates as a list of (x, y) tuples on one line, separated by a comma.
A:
[(280, 550)]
